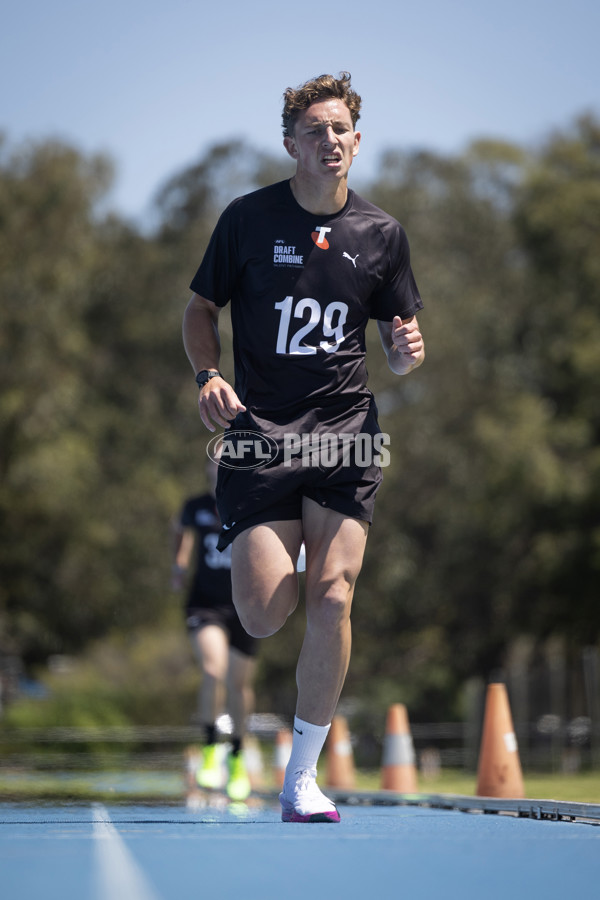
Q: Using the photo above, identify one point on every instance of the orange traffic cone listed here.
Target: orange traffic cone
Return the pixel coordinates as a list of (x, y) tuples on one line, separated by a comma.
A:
[(499, 770), (398, 771), (283, 751), (340, 760)]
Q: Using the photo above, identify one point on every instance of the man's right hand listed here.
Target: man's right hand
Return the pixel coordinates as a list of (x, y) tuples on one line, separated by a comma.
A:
[(218, 404)]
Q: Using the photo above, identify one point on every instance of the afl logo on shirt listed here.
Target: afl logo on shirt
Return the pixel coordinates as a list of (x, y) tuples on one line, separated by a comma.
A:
[(319, 236)]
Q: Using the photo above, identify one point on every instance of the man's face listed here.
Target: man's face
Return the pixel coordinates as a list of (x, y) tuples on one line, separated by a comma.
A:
[(324, 142)]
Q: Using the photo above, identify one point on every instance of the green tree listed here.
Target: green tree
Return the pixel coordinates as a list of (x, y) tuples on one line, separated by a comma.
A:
[(92, 375), (558, 221), (484, 522), (47, 198), (486, 527)]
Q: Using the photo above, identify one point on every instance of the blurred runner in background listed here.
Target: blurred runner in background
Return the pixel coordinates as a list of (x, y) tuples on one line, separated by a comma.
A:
[(224, 650)]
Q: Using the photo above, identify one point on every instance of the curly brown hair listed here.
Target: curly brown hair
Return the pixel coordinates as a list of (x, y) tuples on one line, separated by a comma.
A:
[(324, 87)]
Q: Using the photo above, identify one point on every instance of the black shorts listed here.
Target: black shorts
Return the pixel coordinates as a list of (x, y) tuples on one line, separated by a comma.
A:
[(225, 617), (343, 476)]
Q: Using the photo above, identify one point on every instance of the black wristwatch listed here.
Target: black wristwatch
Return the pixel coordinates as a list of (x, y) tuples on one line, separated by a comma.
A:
[(205, 375)]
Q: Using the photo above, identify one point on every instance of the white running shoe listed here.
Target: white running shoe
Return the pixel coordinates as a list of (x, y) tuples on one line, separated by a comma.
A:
[(302, 801)]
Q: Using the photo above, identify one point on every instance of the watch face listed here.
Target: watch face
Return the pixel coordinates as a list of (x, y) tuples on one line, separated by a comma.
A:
[(204, 376)]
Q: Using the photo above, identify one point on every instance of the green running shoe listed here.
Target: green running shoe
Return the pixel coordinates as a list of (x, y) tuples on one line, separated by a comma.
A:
[(238, 784), (209, 774)]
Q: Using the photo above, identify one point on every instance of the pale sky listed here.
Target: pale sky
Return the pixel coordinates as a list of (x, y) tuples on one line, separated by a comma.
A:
[(155, 84)]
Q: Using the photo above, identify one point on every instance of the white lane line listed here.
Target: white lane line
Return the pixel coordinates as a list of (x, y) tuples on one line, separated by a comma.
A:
[(117, 873)]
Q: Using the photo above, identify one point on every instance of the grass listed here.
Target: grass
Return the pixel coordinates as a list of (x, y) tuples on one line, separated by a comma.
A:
[(168, 786), (583, 787), (82, 787)]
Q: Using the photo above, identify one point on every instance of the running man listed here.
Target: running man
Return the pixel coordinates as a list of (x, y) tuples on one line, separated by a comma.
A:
[(305, 263), (224, 650)]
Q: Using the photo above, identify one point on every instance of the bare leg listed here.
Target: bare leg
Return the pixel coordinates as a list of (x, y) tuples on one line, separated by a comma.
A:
[(240, 689), (335, 547), (265, 592), (212, 652), (263, 574)]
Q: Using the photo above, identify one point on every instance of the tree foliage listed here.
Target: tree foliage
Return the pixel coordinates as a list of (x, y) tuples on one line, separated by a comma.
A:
[(486, 526)]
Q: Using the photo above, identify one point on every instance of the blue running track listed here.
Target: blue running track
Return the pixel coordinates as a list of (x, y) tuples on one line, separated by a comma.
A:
[(155, 852)]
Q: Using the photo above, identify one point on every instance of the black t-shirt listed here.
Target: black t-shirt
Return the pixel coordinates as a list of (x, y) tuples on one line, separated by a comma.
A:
[(211, 581), (302, 289)]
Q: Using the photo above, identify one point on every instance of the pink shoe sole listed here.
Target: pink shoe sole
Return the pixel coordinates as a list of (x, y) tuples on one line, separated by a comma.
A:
[(290, 815)]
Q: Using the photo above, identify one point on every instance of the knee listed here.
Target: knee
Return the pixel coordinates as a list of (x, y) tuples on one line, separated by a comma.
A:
[(331, 606), (258, 625), (214, 671)]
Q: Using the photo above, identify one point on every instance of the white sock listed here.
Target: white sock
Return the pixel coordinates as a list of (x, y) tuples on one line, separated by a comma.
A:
[(307, 744)]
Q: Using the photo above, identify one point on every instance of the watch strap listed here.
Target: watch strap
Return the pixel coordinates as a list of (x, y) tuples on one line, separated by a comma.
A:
[(205, 375)]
